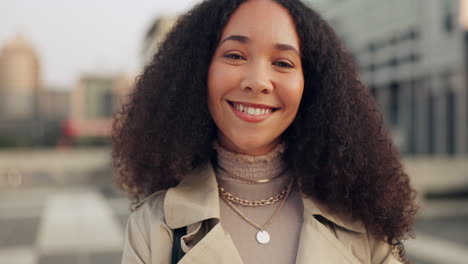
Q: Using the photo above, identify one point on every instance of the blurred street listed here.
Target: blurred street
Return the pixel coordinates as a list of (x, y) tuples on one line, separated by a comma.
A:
[(60, 207), (80, 217), (67, 225)]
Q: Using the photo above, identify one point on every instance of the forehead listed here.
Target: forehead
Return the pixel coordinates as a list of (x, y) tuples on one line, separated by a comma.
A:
[(262, 20)]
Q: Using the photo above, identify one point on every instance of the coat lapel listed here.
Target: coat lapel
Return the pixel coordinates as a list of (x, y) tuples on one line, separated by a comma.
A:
[(215, 248), (194, 200), (318, 245)]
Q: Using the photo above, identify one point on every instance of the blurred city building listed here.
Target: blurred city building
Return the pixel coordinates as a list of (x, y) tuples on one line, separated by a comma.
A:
[(19, 87), (19, 79), (94, 101), (54, 104), (34, 115), (155, 35), (54, 111), (413, 57), (30, 113)]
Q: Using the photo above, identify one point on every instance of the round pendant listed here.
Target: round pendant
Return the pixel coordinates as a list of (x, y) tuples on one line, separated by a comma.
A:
[(263, 237)]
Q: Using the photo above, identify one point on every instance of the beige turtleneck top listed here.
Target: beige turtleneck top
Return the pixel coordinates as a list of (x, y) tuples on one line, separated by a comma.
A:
[(285, 229)]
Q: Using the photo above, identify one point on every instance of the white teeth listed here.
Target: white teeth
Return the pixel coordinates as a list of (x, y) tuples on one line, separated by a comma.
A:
[(252, 110)]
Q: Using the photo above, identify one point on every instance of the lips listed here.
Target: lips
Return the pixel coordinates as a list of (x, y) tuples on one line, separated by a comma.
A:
[(252, 112)]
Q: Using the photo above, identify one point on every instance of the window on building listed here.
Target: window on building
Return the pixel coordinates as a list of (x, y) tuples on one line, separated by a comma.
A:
[(431, 122), (413, 34), (451, 121), (90, 94), (414, 57), (449, 16), (393, 62), (107, 104), (372, 47), (412, 129), (373, 90), (394, 102)]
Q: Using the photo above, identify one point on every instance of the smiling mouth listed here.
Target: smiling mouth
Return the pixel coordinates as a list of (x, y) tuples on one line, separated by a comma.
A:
[(253, 109)]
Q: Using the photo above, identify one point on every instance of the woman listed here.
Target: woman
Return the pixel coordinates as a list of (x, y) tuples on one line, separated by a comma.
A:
[(251, 129)]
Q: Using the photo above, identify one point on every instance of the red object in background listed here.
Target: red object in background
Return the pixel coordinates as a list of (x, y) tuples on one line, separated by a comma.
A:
[(68, 130)]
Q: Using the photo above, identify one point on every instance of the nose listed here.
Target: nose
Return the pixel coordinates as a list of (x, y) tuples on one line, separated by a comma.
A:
[(257, 80)]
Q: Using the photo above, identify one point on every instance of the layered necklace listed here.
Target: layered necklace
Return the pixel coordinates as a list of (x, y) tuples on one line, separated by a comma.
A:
[(237, 168), (263, 237)]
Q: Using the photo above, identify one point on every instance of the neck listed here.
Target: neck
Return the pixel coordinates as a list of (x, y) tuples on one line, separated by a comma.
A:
[(267, 166)]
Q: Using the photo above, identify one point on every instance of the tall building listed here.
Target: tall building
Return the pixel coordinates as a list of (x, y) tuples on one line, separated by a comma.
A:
[(19, 80), (412, 55), (94, 101), (155, 35)]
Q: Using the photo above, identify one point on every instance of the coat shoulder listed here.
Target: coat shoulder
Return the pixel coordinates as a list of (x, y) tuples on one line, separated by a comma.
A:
[(149, 211), (150, 199), (147, 234), (356, 237), (366, 247)]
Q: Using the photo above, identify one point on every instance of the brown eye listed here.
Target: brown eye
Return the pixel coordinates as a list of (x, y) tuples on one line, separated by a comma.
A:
[(283, 64), (233, 56)]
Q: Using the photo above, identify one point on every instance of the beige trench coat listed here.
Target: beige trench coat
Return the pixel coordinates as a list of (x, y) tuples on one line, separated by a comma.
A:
[(195, 202)]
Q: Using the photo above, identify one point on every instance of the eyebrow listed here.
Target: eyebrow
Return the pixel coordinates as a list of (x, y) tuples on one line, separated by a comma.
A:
[(287, 47), (244, 39), (239, 38)]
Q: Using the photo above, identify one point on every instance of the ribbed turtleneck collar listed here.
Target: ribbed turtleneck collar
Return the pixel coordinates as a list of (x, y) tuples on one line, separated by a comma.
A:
[(265, 166)]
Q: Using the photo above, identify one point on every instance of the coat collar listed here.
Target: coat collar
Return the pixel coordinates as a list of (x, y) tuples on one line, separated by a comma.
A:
[(196, 199), (315, 208)]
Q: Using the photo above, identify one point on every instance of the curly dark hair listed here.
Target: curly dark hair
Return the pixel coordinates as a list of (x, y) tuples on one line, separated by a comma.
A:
[(337, 145)]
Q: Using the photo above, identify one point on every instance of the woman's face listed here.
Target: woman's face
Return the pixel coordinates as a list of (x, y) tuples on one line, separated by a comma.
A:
[(255, 79)]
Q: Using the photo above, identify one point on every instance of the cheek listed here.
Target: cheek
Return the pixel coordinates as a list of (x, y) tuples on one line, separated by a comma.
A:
[(213, 87), (218, 86), (292, 92), (216, 75), (211, 82), (222, 79)]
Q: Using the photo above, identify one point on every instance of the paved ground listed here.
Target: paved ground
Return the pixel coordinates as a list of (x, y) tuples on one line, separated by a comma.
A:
[(67, 225)]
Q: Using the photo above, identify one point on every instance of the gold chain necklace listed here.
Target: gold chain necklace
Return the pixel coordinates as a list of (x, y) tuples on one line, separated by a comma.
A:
[(263, 237), (256, 203)]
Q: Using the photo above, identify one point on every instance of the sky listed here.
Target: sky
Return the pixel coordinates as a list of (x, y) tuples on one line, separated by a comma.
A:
[(87, 36)]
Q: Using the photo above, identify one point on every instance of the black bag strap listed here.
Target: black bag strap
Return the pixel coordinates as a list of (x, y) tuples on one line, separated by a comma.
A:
[(177, 252)]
